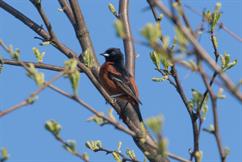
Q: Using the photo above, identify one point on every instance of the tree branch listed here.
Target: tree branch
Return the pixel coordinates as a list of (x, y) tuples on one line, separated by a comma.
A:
[(37, 65), (115, 123), (81, 30), (130, 54), (30, 99), (216, 131), (66, 8), (35, 27)]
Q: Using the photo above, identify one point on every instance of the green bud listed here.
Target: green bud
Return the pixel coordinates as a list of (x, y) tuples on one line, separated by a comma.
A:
[(220, 93), (155, 123), (70, 146), (73, 74), (39, 56), (199, 155), (119, 27), (131, 154), (94, 145), (156, 59), (88, 58), (4, 154), (97, 120), (53, 127), (152, 32)]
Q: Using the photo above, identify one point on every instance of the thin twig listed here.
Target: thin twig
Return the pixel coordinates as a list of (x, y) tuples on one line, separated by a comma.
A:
[(67, 9), (37, 65), (184, 17), (77, 154), (124, 158), (216, 131), (220, 24), (30, 99)]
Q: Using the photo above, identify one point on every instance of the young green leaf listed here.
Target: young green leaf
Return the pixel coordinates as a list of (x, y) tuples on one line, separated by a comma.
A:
[(116, 156), (112, 9), (152, 32), (155, 123), (85, 156), (162, 146), (119, 27), (94, 145), (110, 114), (220, 93), (4, 154), (199, 155), (119, 146), (97, 120), (33, 73), (190, 64), (131, 154), (73, 74), (88, 58), (32, 99), (156, 59), (39, 55), (225, 62), (160, 79), (226, 151), (70, 146), (53, 127)]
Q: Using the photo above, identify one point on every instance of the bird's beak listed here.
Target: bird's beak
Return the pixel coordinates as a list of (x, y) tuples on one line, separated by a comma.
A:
[(104, 54)]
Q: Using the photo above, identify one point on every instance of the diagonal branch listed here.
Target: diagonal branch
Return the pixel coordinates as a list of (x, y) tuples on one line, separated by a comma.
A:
[(115, 123), (81, 30), (30, 99), (66, 8), (35, 27), (129, 48)]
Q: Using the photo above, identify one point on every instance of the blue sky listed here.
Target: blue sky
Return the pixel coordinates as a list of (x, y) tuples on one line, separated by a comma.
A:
[(23, 133)]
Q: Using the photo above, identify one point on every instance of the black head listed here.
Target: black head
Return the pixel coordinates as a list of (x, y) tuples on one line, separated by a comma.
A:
[(113, 55)]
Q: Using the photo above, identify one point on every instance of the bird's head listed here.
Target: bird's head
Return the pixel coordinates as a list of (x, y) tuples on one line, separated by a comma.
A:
[(113, 55)]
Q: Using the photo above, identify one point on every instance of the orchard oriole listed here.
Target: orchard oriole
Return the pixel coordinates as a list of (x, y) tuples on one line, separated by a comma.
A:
[(116, 79)]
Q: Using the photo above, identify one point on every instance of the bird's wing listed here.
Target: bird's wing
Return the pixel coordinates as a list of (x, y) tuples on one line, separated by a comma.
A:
[(125, 85)]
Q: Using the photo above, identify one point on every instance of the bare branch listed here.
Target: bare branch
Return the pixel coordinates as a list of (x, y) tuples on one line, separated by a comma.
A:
[(216, 131), (81, 30), (130, 54), (66, 8), (30, 99), (35, 27), (37, 65), (116, 124)]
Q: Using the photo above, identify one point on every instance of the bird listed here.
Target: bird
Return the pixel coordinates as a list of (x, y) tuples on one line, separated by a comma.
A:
[(117, 81)]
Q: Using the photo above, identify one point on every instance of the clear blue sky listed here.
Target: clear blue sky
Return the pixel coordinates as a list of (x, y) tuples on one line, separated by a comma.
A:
[(23, 133)]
